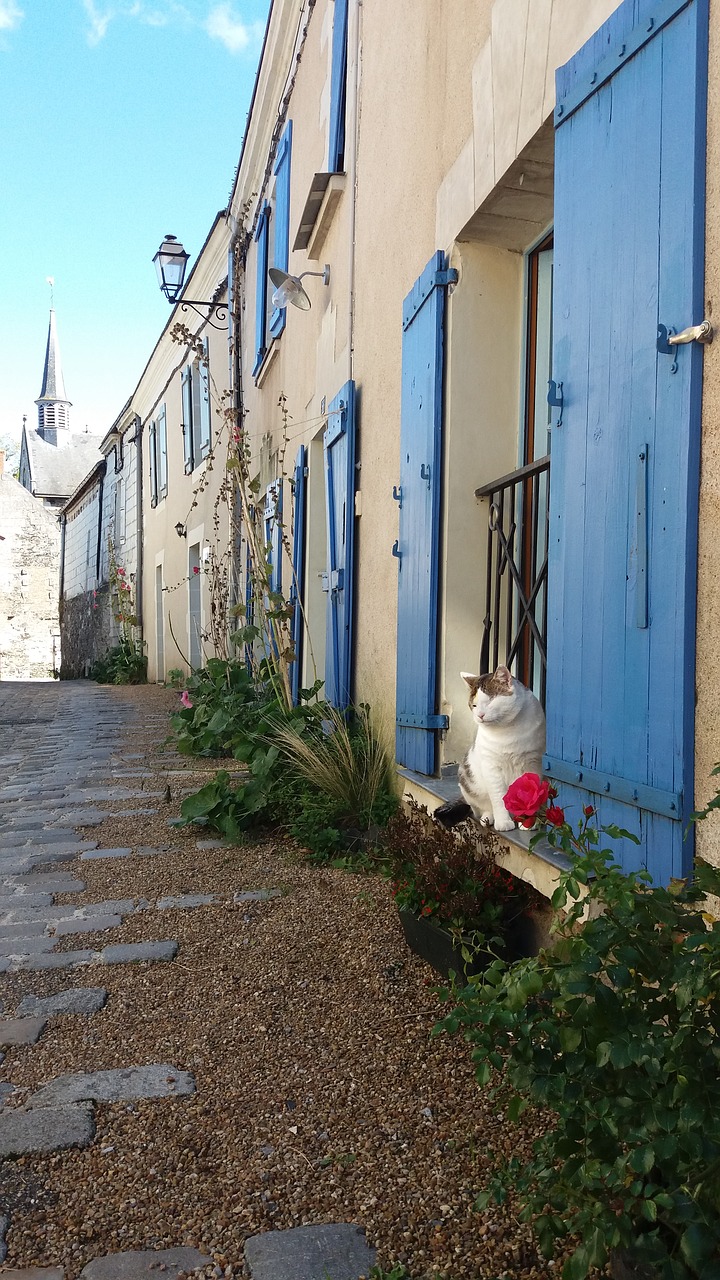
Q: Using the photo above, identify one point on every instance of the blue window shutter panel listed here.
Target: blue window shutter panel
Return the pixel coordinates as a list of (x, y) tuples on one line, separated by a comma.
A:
[(339, 453), (338, 92), (297, 588), (624, 478), (281, 245), (261, 284), (203, 369), (187, 413), (421, 422), (161, 451), (152, 449)]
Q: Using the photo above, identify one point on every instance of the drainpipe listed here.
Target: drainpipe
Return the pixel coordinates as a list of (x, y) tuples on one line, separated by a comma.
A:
[(101, 487), (353, 81), (137, 441), (61, 590)]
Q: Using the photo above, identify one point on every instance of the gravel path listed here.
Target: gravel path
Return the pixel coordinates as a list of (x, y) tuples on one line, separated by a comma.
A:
[(305, 1023)]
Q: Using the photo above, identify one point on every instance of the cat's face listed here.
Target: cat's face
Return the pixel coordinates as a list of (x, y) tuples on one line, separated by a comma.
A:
[(492, 697)]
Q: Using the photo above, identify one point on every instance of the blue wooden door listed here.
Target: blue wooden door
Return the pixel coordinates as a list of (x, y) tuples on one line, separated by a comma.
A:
[(629, 207), (418, 495), (297, 586), (339, 451)]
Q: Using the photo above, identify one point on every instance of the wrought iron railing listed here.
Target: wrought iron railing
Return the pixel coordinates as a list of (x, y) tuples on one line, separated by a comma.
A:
[(515, 623)]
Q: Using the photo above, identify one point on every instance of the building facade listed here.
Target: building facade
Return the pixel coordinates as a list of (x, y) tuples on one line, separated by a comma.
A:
[(485, 461)]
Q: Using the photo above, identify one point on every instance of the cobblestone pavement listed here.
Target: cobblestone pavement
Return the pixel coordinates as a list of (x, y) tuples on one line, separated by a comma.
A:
[(66, 749)]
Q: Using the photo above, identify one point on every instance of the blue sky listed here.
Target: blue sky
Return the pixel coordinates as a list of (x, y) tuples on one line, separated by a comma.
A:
[(120, 121)]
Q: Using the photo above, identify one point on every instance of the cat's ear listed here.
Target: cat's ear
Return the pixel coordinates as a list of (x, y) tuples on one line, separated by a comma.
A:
[(473, 681), (503, 677)]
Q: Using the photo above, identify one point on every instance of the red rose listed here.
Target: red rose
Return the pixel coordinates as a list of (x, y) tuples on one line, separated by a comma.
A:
[(588, 811), (555, 816), (526, 797)]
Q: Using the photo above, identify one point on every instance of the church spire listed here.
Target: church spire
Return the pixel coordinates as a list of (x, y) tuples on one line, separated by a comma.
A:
[(53, 404)]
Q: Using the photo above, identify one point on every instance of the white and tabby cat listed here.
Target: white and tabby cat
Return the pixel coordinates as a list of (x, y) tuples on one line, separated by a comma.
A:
[(509, 741)]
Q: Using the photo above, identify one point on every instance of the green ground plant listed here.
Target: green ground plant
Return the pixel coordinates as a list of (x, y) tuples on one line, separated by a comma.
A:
[(614, 1031), (320, 775)]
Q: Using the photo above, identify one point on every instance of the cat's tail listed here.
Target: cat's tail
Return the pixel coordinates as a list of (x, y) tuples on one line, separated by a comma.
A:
[(452, 813)]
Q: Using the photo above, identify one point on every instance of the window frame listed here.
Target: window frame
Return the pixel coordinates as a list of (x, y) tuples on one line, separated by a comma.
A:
[(262, 237)]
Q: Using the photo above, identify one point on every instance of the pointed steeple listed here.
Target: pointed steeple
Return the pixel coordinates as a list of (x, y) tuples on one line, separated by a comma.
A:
[(53, 404)]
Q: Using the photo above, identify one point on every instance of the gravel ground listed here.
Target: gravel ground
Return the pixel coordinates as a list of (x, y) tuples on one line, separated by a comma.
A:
[(306, 1021)]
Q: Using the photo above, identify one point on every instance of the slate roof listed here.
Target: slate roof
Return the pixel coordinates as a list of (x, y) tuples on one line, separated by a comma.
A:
[(57, 471)]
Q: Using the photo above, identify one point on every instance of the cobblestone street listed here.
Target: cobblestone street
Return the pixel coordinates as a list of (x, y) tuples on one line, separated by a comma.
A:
[(215, 1060)]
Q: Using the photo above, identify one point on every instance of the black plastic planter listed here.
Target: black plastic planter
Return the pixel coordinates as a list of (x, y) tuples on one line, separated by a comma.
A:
[(435, 944)]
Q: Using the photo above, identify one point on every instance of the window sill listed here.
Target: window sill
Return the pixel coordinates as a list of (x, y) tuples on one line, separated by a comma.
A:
[(540, 867), (319, 212), (269, 360)]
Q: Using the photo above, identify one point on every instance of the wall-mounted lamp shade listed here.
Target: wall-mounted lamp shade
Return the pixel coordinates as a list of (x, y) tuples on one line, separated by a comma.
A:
[(289, 288), (180, 530), (170, 263)]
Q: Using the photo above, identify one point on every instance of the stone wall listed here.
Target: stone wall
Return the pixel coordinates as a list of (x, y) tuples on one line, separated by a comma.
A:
[(29, 583), (87, 631)]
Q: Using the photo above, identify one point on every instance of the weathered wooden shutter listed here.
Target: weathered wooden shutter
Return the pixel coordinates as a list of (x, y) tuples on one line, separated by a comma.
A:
[(338, 91), (187, 413), (281, 242), (629, 206), (202, 369), (272, 527), (297, 588), (417, 548), (339, 450), (161, 447), (261, 283), (152, 450)]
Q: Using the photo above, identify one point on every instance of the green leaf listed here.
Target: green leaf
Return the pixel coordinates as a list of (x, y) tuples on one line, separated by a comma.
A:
[(569, 1038)]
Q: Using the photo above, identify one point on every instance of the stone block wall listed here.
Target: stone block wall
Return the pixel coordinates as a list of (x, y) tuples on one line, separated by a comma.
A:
[(29, 585), (87, 631)]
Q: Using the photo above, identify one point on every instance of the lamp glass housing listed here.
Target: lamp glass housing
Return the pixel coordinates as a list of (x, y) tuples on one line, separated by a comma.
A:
[(170, 263)]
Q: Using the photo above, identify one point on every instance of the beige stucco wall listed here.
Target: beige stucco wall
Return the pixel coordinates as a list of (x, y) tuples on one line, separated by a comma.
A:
[(707, 710), (191, 499)]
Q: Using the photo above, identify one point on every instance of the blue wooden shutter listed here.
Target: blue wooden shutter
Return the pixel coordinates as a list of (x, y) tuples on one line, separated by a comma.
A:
[(281, 244), (261, 283), (338, 91), (203, 371), (297, 589), (629, 207), (272, 525), (421, 417), (161, 452), (187, 413), (339, 450), (152, 449)]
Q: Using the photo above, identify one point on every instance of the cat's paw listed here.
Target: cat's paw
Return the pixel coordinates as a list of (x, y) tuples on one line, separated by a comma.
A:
[(504, 823), (485, 819)]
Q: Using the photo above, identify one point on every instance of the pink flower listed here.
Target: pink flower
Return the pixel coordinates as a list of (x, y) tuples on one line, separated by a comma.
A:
[(525, 797), (195, 569), (185, 698)]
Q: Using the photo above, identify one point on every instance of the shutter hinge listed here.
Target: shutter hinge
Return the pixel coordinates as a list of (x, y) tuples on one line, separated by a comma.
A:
[(450, 276), (423, 722)]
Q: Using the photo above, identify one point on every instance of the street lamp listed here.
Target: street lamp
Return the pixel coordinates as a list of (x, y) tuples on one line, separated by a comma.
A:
[(289, 288), (171, 261)]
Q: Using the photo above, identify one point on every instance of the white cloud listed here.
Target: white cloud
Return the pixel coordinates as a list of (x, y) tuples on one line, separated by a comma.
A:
[(99, 22), (11, 15), (235, 34)]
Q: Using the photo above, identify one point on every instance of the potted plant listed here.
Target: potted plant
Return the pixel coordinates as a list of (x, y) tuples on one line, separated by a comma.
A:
[(456, 905), (613, 1032)]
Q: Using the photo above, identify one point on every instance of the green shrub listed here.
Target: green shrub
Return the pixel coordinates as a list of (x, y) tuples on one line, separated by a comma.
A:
[(125, 663), (615, 1032)]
